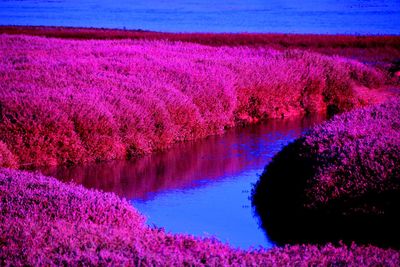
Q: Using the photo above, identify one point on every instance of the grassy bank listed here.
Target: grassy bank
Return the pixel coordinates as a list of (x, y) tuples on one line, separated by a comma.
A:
[(69, 101), (46, 222), (343, 181)]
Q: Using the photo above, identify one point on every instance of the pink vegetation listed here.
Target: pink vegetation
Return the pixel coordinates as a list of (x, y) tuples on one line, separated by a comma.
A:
[(349, 165), (357, 154), (376, 50), (340, 181), (66, 101), (46, 222), (7, 159)]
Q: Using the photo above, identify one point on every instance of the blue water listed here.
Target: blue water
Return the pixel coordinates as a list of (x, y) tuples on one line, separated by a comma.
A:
[(288, 16), (219, 209), (201, 188)]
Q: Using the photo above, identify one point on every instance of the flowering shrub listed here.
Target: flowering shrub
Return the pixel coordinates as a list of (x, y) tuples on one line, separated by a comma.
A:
[(343, 176), (46, 222), (65, 101), (358, 152)]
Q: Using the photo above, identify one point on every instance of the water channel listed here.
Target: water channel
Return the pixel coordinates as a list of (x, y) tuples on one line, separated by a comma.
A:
[(199, 187)]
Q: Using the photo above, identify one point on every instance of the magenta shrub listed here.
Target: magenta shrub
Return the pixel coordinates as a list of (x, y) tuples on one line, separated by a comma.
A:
[(68, 101), (356, 153), (46, 222), (342, 178), (7, 159)]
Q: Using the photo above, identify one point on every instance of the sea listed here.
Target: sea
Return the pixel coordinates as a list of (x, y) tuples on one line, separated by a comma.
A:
[(361, 17)]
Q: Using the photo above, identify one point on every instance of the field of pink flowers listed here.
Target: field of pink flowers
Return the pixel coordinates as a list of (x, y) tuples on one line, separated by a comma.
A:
[(344, 174), (69, 101), (46, 222)]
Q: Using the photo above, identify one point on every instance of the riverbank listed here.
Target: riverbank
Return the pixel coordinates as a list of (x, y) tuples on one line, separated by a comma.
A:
[(46, 222), (69, 102)]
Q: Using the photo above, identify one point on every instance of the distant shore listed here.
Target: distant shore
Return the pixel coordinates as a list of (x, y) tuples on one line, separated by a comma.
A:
[(364, 47)]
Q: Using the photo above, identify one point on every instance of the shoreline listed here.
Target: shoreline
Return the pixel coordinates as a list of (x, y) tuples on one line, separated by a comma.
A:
[(18, 29), (330, 44)]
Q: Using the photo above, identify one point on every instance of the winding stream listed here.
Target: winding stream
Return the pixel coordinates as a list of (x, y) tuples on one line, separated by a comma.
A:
[(200, 187)]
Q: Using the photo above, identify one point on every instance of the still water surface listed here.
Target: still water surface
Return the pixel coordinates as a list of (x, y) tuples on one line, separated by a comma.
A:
[(201, 187), (287, 16)]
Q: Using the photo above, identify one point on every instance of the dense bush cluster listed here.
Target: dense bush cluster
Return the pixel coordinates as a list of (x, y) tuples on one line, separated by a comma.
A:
[(46, 222), (357, 153), (342, 175), (66, 101), (7, 159)]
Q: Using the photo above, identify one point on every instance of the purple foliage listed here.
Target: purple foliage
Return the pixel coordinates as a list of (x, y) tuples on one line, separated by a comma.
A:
[(340, 181), (357, 153), (46, 222), (68, 101)]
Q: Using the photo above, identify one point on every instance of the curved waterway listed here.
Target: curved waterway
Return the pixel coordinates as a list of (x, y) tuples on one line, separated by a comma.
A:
[(201, 187)]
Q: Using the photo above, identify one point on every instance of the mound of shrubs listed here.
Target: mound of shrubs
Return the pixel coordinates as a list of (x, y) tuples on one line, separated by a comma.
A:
[(341, 180)]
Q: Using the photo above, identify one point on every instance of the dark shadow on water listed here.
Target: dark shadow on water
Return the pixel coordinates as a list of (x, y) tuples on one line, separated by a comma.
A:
[(188, 165), (278, 200)]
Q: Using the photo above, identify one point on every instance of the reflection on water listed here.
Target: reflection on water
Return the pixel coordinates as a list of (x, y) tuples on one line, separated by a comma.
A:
[(188, 164), (200, 187)]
